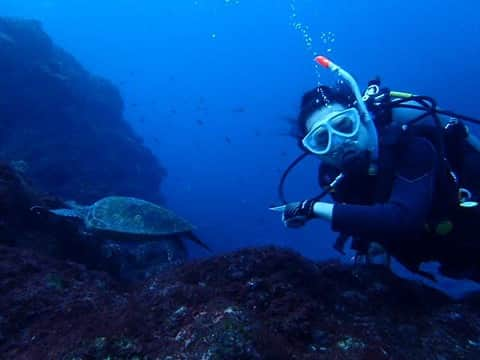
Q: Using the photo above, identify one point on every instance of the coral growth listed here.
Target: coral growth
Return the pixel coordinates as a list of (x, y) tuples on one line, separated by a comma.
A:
[(264, 303)]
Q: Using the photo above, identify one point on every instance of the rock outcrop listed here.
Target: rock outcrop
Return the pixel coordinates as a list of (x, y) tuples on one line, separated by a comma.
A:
[(64, 127)]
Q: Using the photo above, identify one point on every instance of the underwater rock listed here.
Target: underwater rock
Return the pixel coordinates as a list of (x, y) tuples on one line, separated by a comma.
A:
[(18, 225), (64, 127), (282, 307)]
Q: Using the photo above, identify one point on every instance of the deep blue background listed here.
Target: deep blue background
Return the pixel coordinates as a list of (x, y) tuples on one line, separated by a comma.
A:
[(209, 84)]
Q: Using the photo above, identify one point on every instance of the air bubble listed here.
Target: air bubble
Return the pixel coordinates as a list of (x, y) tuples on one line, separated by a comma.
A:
[(326, 40)]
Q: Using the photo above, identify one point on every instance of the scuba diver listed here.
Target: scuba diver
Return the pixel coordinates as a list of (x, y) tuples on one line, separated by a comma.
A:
[(404, 176)]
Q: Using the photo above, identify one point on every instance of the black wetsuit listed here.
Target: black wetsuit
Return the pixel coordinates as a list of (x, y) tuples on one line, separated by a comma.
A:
[(401, 207)]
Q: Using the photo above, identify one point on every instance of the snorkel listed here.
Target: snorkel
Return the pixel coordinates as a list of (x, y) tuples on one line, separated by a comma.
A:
[(364, 114)]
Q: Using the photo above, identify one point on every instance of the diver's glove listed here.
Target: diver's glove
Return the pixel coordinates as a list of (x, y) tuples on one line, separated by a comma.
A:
[(297, 214)]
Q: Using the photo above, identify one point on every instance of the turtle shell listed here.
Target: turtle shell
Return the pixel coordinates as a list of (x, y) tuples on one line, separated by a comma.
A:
[(127, 215)]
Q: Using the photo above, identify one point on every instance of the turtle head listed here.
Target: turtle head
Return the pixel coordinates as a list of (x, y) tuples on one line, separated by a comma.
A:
[(67, 213), (75, 210)]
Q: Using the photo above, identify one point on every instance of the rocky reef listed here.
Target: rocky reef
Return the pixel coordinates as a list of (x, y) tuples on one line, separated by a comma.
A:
[(64, 127), (264, 303)]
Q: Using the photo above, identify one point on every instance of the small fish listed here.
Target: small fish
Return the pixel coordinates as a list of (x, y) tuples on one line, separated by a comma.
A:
[(239, 109), (200, 122), (5, 38), (228, 140)]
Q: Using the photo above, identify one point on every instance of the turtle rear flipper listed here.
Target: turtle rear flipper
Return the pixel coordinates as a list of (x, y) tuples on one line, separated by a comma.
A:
[(191, 236)]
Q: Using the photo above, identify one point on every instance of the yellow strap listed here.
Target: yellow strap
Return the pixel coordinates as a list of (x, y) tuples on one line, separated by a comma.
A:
[(400, 94)]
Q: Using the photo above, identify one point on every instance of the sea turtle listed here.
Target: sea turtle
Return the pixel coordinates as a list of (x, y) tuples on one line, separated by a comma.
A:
[(129, 218)]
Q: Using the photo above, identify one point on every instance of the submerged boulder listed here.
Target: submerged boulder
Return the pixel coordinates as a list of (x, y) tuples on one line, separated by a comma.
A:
[(64, 127)]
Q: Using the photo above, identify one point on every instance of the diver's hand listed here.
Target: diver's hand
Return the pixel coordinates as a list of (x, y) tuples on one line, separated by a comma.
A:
[(297, 214)]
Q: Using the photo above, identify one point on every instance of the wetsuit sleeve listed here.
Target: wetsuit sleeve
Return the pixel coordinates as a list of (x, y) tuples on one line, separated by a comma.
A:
[(410, 201)]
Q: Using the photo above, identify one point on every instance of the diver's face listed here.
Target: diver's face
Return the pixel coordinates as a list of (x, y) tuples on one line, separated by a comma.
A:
[(334, 132)]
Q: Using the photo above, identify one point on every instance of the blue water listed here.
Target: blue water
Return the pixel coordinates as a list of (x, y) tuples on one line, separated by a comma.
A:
[(210, 84)]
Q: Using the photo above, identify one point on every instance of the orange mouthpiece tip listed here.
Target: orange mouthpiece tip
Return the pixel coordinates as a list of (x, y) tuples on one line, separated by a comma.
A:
[(322, 60)]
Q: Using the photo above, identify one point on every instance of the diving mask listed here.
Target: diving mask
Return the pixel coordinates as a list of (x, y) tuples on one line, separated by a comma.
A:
[(335, 128)]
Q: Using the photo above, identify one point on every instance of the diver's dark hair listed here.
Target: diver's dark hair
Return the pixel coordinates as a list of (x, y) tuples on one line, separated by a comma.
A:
[(316, 99)]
